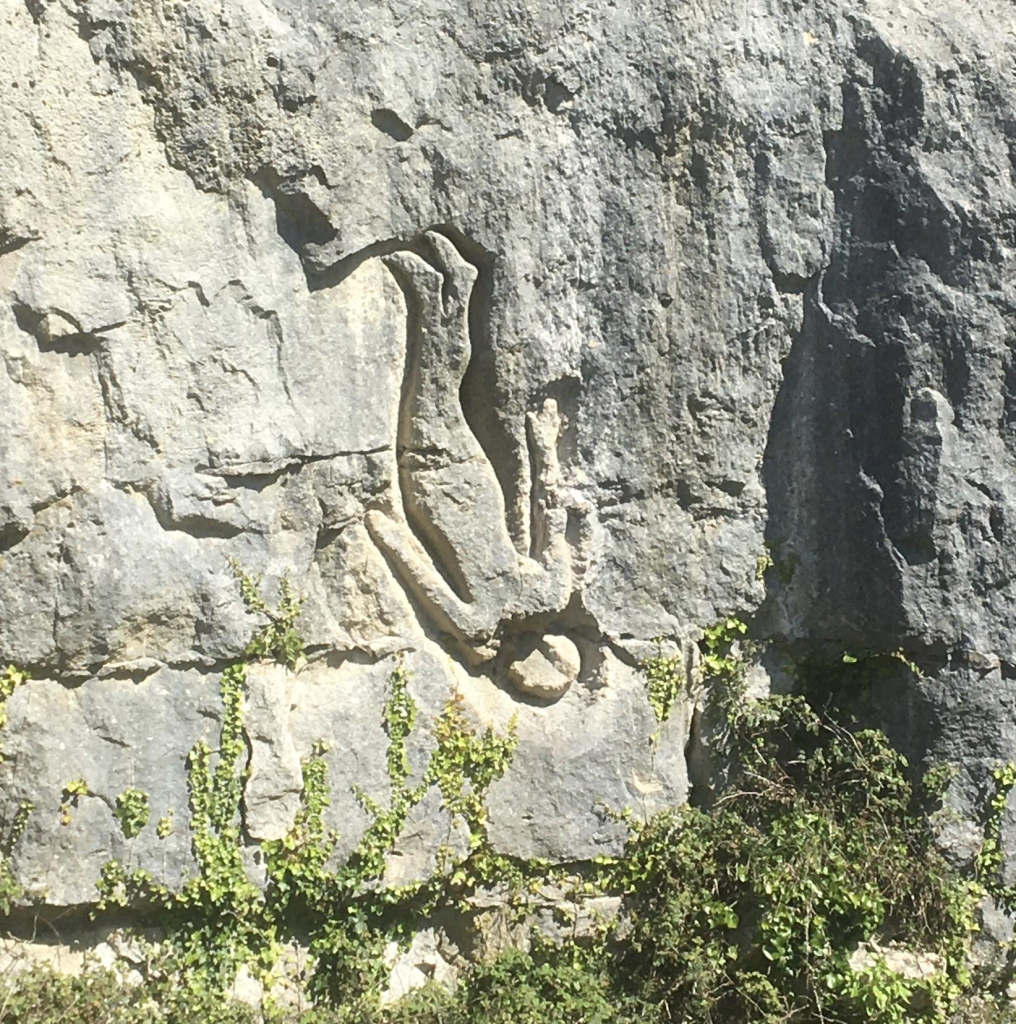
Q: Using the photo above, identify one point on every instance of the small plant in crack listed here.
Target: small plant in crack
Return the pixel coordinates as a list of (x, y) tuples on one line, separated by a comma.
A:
[(14, 827), (664, 680), (10, 679), (72, 792), (132, 811), (278, 639)]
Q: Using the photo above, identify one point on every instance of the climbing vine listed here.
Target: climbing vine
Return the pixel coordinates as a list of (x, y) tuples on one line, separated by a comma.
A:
[(664, 677), (344, 913), (278, 639), (72, 793), (990, 857), (10, 679), (10, 890), (132, 811), (784, 901)]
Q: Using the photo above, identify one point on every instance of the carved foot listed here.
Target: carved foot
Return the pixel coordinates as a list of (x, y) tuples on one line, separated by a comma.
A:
[(548, 670)]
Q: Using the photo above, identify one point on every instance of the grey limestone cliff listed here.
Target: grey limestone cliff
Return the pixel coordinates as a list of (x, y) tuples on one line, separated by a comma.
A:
[(511, 333)]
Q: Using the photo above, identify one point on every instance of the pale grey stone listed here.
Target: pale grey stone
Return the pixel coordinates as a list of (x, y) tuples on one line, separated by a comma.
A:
[(271, 795), (482, 330), (414, 967), (548, 669), (429, 839), (912, 964)]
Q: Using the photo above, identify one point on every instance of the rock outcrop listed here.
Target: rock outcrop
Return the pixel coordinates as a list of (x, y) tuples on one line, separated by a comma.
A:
[(515, 336)]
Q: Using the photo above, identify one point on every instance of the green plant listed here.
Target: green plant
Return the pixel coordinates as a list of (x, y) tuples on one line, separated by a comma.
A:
[(785, 563), (10, 889), (465, 765), (75, 788), (355, 916), (41, 994), (10, 679), (990, 857), (879, 992), (817, 844), (72, 792), (278, 639), (132, 811), (665, 681), (751, 911), (722, 668), (871, 657), (219, 920), (937, 779)]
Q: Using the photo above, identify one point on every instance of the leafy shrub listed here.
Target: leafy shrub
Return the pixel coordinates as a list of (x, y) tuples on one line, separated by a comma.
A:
[(816, 846)]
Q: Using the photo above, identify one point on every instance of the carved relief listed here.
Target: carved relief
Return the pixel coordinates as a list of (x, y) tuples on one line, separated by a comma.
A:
[(447, 538)]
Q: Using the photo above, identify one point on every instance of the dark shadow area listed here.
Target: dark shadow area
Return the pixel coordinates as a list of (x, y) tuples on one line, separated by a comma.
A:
[(390, 124), (298, 219), (11, 243), (80, 343), (834, 574), (335, 273), (12, 534)]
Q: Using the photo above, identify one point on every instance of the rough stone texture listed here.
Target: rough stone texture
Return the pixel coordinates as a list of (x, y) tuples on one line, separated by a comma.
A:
[(485, 324), (415, 967), (548, 669), (109, 948)]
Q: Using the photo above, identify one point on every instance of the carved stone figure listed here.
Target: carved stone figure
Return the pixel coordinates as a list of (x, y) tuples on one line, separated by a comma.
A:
[(447, 537)]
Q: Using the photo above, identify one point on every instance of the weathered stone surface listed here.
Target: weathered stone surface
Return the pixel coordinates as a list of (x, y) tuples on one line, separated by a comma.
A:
[(415, 967), (271, 795), (548, 669), (486, 327), (103, 946)]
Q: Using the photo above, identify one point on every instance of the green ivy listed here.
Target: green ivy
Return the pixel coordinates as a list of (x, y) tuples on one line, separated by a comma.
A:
[(400, 720), (219, 920), (752, 911), (132, 811), (355, 915), (72, 793), (870, 657), (784, 564), (278, 639), (10, 889), (719, 657), (466, 764), (817, 844), (991, 856), (10, 679), (664, 680), (212, 921)]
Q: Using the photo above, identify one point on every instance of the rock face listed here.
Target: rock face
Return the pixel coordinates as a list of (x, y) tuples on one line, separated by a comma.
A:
[(511, 334)]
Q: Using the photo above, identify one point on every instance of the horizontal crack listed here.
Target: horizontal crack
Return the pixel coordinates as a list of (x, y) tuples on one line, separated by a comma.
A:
[(276, 468)]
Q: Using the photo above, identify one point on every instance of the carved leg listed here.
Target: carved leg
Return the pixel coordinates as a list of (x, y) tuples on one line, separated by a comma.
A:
[(424, 582), (439, 345), (450, 494)]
